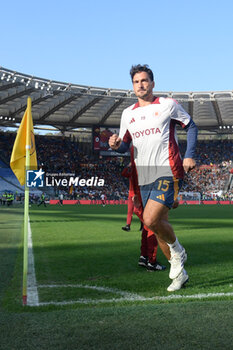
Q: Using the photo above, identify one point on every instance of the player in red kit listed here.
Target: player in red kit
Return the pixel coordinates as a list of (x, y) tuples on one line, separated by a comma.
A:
[(127, 172), (103, 199)]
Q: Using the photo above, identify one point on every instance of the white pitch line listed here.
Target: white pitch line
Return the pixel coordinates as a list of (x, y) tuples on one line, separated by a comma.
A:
[(86, 286), (125, 295), (32, 291), (117, 300)]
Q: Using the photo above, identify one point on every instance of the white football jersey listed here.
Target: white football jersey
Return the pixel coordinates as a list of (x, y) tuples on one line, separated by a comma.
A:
[(152, 130)]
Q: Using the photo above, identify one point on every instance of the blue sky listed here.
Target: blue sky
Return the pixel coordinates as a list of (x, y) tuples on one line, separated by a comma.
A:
[(188, 45)]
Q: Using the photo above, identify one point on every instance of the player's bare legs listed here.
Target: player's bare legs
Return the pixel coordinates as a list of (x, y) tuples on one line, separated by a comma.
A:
[(164, 247), (155, 216), (162, 244)]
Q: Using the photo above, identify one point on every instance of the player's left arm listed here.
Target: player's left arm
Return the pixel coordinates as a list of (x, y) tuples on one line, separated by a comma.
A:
[(189, 158), (183, 118)]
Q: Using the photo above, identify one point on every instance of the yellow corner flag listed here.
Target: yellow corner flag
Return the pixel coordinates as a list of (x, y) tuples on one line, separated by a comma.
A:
[(25, 136), (71, 189), (23, 158)]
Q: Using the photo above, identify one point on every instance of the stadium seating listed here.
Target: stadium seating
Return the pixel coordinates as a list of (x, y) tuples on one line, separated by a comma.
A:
[(61, 154)]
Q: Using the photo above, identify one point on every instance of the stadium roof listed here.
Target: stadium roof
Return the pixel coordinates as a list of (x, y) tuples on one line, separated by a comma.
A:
[(68, 106)]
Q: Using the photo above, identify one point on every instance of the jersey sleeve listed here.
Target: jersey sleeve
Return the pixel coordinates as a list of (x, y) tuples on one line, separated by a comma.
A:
[(124, 134), (123, 126), (179, 114), (192, 132)]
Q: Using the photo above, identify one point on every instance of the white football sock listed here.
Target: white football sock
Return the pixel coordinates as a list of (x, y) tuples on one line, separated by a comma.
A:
[(175, 247)]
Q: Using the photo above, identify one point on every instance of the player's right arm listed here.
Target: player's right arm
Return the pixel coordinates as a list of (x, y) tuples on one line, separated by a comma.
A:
[(114, 142), (121, 142), (117, 144)]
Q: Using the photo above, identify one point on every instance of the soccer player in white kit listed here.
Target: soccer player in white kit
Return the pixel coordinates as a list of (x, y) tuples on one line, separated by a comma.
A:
[(150, 125), (103, 199)]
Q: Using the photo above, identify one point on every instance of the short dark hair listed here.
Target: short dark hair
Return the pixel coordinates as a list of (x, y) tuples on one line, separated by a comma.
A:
[(141, 68)]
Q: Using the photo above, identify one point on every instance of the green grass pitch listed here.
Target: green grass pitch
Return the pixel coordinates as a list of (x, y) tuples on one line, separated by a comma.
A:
[(77, 247)]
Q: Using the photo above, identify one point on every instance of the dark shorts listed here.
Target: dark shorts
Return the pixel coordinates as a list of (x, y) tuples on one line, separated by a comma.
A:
[(164, 190)]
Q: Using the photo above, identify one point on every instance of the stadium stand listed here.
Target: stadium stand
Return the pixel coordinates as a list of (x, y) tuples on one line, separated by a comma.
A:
[(214, 162), (61, 155), (68, 107)]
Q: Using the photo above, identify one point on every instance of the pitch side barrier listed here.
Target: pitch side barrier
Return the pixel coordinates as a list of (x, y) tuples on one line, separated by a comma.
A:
[(119, 202), (206, 202), (88, 202)]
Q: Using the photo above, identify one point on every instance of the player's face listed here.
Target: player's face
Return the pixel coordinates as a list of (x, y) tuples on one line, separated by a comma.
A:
[(142, 85)]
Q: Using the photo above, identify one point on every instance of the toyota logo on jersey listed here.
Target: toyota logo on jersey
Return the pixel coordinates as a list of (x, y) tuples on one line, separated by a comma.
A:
[(146, 132)]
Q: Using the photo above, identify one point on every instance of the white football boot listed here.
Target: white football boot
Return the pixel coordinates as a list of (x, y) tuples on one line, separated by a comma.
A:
[(178, 282), (177, 263)]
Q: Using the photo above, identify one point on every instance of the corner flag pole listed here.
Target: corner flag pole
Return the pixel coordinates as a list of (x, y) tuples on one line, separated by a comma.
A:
[(26, 203)]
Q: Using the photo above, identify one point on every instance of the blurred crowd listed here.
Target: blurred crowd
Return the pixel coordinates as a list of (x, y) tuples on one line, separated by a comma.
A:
[(62, 155), (209, 178)]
